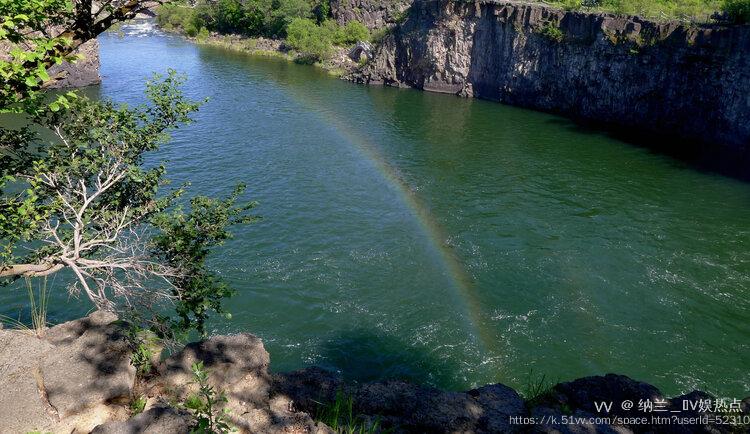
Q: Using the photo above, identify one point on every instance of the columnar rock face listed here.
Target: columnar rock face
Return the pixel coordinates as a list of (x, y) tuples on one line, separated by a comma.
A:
[(690, 82), (374, 14)]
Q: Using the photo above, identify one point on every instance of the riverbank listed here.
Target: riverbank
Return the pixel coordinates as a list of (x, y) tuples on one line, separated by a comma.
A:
[(84, 376), (339, 64), (676, 86)]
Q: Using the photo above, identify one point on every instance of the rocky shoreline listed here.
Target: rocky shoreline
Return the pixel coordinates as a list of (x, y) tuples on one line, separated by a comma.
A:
[(78, 378), (340, 64)]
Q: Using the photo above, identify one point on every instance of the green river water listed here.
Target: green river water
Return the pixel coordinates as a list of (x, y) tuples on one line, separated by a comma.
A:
[(450, 241)]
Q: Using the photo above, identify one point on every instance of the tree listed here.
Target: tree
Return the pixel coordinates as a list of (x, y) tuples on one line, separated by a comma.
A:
[(85, 202), (41, 33), (306, 36), (737, 10)]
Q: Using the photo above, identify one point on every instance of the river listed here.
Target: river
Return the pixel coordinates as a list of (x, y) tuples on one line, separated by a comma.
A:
[(450, 241)]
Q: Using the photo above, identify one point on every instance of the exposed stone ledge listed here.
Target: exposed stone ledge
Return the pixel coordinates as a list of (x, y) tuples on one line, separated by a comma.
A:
[(78, 378)]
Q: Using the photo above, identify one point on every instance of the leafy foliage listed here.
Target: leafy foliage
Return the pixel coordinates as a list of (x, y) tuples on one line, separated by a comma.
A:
[(184, 242), (31, 52), (304, 23), (306, 36), (268, 18), (85, 201), (209, 418), (351, 33), (137, 405), (738, 10), (141, 353), (97, 210), (552, 32), (690, 10)]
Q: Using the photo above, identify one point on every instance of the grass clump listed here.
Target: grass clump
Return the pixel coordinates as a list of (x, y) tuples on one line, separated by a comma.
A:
[(339, 415), (536, 389), (137, 405), (686, 10), (38, 303)]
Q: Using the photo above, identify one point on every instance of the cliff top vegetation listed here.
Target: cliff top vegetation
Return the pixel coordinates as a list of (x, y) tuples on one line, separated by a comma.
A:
[(701, 11)]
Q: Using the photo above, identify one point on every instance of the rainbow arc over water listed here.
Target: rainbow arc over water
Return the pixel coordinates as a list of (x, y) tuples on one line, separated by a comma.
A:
[(461, 280)]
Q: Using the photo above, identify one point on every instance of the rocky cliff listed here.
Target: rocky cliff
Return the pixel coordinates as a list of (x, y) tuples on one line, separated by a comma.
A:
[(374, 14), (682, 81)]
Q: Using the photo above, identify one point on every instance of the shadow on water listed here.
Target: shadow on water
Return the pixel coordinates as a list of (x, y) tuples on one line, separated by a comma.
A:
[(695, 155), (363, 355)]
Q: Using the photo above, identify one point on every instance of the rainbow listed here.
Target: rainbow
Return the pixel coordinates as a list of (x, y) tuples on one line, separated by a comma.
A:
[(461, 280)]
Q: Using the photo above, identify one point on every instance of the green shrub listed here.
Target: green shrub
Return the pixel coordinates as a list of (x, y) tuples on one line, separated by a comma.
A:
[(141, 342), (175, 16), (322, 10), (248, 17), (171, 15), (351, 33), (230, 16), (691, 10), (307, 37), (190, 29), (552, 32), (379, 34), (202, 34), (138, 404), (205, 405), (738, 10)]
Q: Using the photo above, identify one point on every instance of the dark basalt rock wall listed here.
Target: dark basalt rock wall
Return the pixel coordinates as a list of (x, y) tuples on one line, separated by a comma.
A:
[(374, 14), (684, 81)]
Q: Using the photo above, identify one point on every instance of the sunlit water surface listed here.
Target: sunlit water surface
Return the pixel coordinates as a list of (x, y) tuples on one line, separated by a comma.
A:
[(449, 241)]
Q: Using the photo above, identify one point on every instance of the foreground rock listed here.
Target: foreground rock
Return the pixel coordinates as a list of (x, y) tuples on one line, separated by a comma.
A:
[(78, 379), (155, 420), (408, 408), (69, 380)]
